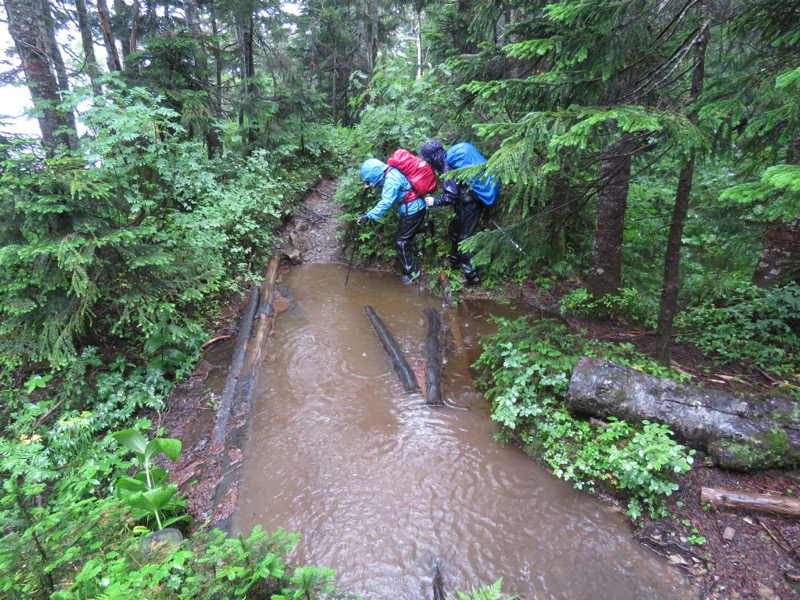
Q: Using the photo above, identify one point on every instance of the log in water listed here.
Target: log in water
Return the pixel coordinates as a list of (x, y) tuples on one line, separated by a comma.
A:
[(396, 355), (433, 369)]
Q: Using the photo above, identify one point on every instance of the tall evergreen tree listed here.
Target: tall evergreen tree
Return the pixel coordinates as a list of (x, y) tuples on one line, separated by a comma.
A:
[(27, 24)]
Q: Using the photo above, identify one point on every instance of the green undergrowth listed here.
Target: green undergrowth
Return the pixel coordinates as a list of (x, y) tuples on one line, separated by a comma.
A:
[(525, 370)]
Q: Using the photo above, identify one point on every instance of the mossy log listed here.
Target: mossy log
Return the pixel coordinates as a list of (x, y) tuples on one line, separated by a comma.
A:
[(433, 368), (396, 355), (770, 503), (742, 434)]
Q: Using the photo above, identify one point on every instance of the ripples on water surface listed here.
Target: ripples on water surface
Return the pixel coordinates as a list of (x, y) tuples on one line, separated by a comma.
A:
[(383, 488)]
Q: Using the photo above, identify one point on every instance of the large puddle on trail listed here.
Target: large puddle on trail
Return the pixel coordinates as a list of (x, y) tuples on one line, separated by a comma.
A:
[(383, 488)]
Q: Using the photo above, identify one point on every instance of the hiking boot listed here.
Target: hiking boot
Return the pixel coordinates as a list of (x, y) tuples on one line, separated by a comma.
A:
[(410, 278), (471, 280)]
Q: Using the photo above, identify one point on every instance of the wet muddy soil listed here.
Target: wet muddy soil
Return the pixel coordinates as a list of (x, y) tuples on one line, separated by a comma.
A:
[(727, 553)]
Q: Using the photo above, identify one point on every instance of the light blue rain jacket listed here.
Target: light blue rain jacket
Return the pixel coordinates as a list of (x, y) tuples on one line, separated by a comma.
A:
[(395, 186)]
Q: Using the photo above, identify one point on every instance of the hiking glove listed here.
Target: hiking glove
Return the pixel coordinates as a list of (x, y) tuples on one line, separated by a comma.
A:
[(429, 201)]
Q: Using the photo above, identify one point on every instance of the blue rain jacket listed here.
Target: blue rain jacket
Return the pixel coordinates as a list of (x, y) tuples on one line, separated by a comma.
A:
[(395, 185)]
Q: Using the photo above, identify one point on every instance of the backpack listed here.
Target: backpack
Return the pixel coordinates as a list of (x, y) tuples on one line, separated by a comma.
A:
[(417, 171), (466, 155)]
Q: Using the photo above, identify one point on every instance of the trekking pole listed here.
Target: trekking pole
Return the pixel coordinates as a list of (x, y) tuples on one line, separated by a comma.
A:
[(505, 233), (352, 253)]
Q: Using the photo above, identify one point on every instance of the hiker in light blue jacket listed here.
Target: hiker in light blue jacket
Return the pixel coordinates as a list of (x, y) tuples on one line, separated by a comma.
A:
[(375, 173)]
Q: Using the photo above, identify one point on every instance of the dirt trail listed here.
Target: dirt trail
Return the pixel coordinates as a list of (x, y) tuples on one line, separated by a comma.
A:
[(742, 556), (312, 230)]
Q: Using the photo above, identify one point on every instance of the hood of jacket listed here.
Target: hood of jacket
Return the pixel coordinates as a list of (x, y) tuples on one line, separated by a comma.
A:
[(373, 171), (433, 153)]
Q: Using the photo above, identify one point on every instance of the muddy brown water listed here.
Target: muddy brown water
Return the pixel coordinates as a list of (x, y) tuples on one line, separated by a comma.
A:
[(383, 488)]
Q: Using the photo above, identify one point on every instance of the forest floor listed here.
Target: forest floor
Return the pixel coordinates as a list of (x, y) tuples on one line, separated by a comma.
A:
[(727, 554)]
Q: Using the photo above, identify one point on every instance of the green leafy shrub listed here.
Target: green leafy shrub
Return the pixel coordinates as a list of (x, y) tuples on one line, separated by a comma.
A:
[(148, 492), (210, 565), (490, 592), (628, 304), (748, 324), (526, 368)]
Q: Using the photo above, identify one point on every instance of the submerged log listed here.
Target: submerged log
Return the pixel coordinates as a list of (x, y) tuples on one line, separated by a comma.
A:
[(396, 355), (433, 368), (750, 501), (438, 584), (756, 433)]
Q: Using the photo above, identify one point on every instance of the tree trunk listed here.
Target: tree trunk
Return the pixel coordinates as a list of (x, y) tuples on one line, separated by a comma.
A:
[(134, 26), (217, 53), (52, 47), (605, 274), (668, 307), (559, 210), (780, 255), (58, 64), (744, 434), (246, 117), (92, 69), (25, 24), (114, 64), (192, 11), (119, 24)]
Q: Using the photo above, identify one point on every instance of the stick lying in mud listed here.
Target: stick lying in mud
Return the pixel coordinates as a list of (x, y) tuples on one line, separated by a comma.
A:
[(393, 350), (433, 369), (438, 584)]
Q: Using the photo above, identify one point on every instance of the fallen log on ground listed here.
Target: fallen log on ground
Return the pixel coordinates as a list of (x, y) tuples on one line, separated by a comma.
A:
[(433, 368), (760, 502), (231, 423), (396, 355), (743, 434)]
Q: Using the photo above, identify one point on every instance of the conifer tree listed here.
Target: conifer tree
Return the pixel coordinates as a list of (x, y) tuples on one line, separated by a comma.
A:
[(585, 92), (28, 26), (754, 104)]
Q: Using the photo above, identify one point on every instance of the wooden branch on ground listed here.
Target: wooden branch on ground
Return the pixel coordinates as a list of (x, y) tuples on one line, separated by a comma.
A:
[(759, 502), (219, 338), (44, 417)]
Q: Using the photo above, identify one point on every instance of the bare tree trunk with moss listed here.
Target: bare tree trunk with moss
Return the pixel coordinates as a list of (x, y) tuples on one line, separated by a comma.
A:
[(605, 273), (668, 308), (780, 255), (25, 24), (87, 41)]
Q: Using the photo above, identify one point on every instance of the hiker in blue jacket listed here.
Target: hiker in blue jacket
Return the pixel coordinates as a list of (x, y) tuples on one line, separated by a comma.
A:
[(375, 173), (468, 198)]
